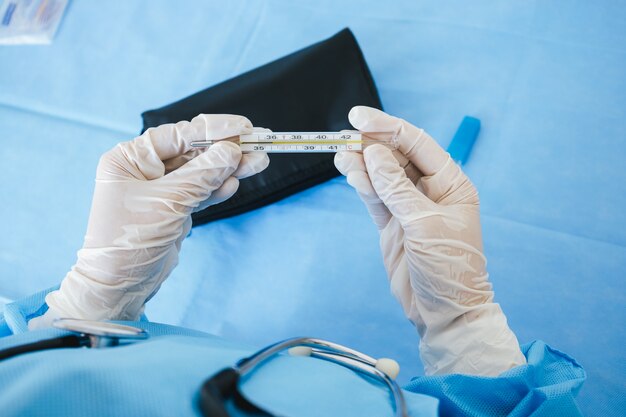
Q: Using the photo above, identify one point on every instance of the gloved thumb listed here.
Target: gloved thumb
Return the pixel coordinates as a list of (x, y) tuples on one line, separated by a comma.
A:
[(194, 182), (393, 187)]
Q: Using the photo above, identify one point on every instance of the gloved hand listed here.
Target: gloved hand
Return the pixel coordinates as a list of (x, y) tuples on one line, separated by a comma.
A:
[(427, 212), (145, 192)]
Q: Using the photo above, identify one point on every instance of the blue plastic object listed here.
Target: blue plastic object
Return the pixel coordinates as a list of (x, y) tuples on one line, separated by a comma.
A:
[(463, 140)]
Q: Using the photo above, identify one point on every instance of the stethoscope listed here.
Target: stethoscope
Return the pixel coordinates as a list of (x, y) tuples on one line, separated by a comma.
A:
[(84, 333), (224, 385)]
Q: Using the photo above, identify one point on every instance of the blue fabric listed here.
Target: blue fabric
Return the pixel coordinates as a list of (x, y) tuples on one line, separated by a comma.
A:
[(546, 79), (546, 386), (162, 376)]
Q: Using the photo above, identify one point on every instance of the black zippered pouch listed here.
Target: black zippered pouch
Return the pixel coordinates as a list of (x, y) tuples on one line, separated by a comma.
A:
[(312, 89)]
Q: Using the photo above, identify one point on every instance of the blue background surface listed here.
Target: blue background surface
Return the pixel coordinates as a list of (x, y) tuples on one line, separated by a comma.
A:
[(547, 80)]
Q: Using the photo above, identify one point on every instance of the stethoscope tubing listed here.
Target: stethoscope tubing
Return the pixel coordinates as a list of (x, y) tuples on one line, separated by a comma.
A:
[(332, 352)]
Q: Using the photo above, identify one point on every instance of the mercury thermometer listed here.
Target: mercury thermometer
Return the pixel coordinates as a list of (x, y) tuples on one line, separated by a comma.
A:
[(307, 142)]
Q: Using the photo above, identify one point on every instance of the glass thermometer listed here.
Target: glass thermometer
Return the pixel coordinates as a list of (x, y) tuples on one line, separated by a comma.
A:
[(308, 142)]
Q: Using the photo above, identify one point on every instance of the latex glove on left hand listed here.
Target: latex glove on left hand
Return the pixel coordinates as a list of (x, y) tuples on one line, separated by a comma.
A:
[(145, 192), (427, 212)]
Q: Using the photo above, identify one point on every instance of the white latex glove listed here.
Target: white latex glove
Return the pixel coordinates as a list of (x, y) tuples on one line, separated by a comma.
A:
[(145, 192), (427, 212)]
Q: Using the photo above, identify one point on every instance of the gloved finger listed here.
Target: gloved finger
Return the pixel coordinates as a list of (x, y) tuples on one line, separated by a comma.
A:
[(404, 201), (226, 191), (346, 162), (254, 162), (413, 142), (376, 208), (180, 160), (349, 161), (184, 233), (170, 140), (148, 151), (353, 167), (195, 181), (251, 163), (449, 186)]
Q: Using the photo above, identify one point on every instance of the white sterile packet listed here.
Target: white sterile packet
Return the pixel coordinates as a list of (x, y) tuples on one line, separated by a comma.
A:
[(30, 21)]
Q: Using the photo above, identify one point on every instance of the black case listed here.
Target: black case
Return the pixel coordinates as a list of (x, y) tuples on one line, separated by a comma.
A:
[(312, 89)]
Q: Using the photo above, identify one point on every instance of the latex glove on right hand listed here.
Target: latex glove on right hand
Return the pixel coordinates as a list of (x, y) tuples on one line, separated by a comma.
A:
[(427, 212)]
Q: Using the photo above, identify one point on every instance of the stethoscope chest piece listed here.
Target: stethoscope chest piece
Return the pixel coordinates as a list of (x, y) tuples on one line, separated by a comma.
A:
[(83, 333), (100, 333)]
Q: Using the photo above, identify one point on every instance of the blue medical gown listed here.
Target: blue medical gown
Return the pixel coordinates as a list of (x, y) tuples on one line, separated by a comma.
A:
[(162, 376)]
